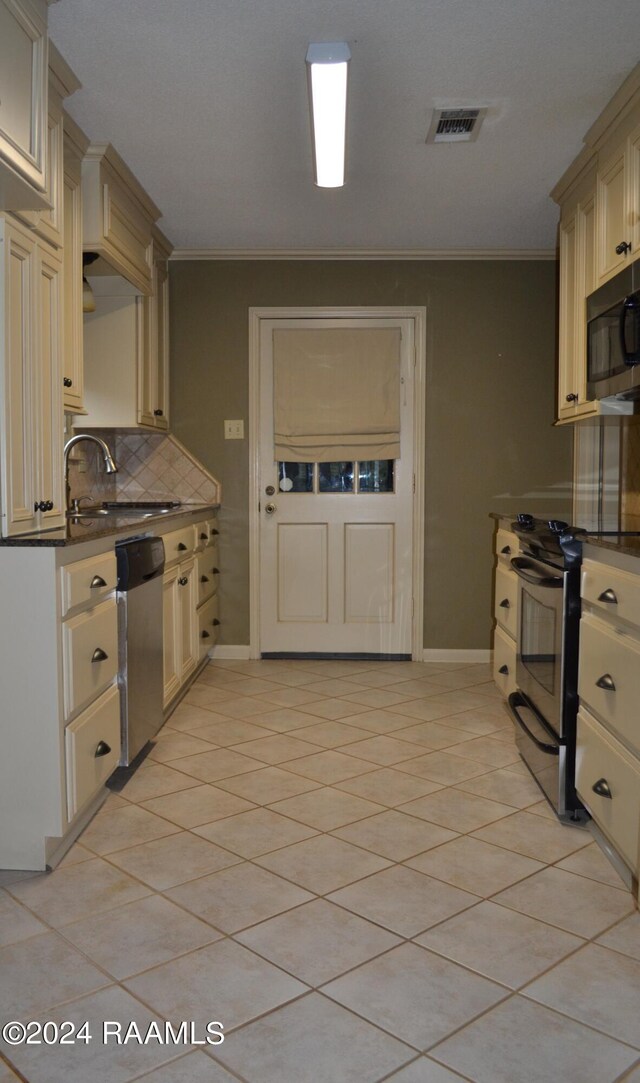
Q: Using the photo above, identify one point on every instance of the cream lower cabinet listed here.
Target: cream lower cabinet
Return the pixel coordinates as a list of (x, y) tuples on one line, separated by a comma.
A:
[(179, 622), (31, 437), (608, 732), (61, 704), (190, 602), (505, 610)]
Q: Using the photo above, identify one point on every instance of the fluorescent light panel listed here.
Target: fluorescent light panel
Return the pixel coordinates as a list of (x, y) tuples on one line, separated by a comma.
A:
[(327, 67)]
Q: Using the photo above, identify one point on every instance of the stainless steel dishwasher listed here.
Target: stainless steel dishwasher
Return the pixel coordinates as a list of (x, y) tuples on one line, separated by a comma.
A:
[(140, 564)]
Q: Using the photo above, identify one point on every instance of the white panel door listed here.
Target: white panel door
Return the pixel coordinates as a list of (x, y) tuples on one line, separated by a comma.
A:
[(336, 559)]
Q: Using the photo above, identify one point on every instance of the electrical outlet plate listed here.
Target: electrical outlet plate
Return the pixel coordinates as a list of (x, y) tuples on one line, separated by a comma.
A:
[(234, 430)]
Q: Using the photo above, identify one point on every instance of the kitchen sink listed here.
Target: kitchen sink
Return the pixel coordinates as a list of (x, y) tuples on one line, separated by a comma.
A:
[(124, 509)]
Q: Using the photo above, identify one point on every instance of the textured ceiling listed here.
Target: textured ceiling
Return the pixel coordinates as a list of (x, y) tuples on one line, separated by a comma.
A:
[(206, 101)]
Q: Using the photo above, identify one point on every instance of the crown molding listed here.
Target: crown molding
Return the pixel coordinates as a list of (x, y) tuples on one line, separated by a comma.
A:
[(365, 254)]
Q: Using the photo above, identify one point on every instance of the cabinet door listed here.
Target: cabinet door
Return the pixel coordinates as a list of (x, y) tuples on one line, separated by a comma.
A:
[(634, 191), (23, 103), (72, 376), (613, 226), (153, 375), (171, 633), (577, 280), (47, 224), (187, 601), (48, 398), (17, 461)]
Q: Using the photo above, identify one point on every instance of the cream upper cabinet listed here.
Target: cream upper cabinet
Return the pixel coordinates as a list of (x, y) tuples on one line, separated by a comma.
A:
[(75, 144), (31, 379), (48, 224), (577, 233), (23, 104), (619, 199), (153, 371), (118, 216)]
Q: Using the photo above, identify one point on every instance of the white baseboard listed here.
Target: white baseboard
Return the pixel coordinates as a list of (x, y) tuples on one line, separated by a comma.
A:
[(231, 651), (430, 655)]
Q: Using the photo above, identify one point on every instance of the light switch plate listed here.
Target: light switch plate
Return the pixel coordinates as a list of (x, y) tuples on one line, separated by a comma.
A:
[(234, 430)]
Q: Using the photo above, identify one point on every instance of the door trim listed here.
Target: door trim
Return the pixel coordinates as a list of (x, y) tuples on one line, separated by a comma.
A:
[(419, 317)]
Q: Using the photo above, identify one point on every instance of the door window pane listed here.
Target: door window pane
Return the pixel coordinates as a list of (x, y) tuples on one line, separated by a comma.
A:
[(295, 477), (376, 476), (335, 477)]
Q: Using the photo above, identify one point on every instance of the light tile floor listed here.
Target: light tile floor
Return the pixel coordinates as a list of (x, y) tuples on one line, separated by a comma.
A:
[(347, 865)]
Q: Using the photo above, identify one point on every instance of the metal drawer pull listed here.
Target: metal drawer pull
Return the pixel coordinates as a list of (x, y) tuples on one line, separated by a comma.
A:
[(507, 549), (99, 655), (504, 669), (608, 595), (181, 546), (505, 604), (602, 788), (102, 749), (183, 581), (606, 682), (97, 581)]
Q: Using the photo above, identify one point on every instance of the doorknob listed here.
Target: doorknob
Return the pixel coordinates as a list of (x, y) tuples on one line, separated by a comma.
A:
[(270, 508)]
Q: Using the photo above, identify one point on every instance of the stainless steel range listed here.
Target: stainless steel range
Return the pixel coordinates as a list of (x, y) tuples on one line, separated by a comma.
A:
[(544, 707)]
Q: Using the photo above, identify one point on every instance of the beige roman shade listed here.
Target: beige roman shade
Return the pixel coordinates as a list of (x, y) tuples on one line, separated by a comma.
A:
[(336, 394)]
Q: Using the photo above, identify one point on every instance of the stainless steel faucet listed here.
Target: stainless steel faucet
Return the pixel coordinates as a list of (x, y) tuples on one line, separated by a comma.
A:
[(109, 462)]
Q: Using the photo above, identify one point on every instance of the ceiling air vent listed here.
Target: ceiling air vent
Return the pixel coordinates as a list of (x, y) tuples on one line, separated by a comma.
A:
[(455, 125)]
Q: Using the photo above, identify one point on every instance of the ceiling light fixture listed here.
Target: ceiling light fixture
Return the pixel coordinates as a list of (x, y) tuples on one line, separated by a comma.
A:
[(327, 66)]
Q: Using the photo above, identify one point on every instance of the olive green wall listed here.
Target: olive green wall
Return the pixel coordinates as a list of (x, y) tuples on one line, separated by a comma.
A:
[(490, 445)]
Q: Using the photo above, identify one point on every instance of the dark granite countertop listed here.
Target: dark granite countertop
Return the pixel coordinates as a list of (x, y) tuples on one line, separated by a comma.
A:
[(629, 544), (88, 529)]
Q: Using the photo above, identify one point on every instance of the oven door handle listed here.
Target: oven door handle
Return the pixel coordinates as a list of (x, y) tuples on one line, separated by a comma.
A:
[(515, 700), (526, 569)]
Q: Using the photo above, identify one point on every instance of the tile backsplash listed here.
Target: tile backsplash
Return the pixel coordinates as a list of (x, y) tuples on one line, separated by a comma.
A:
[(151, 466)]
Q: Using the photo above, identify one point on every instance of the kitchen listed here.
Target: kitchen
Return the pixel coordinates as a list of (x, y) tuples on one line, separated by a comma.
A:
[(499, 372)]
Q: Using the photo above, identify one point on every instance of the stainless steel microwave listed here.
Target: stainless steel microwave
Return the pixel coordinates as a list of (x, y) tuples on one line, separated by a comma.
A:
[(613, 337)]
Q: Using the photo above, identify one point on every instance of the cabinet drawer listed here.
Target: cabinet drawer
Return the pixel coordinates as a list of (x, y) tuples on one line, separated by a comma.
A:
[(87, 581), (506, 600), (208, 625), (179, 544), (609, 677), (208, 573), (206, 533), (614, 592), (601, 760), (90, 654), (504, 662), (507, 546), (92, 745)]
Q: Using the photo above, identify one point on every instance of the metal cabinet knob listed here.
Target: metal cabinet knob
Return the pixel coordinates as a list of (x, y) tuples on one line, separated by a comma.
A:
[(572, 397), (158, 413), (102, 749), (99, 655), (97, 581), (205, 635), (606, 682), (215, 622), (506, 550), (504, 670), (215, 532), (623, 248), (505, 604), (181, 547), (204, 578), (602, 788), (608, 595), (216, 571), (203, 537), (67, 382), (183, 580)]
